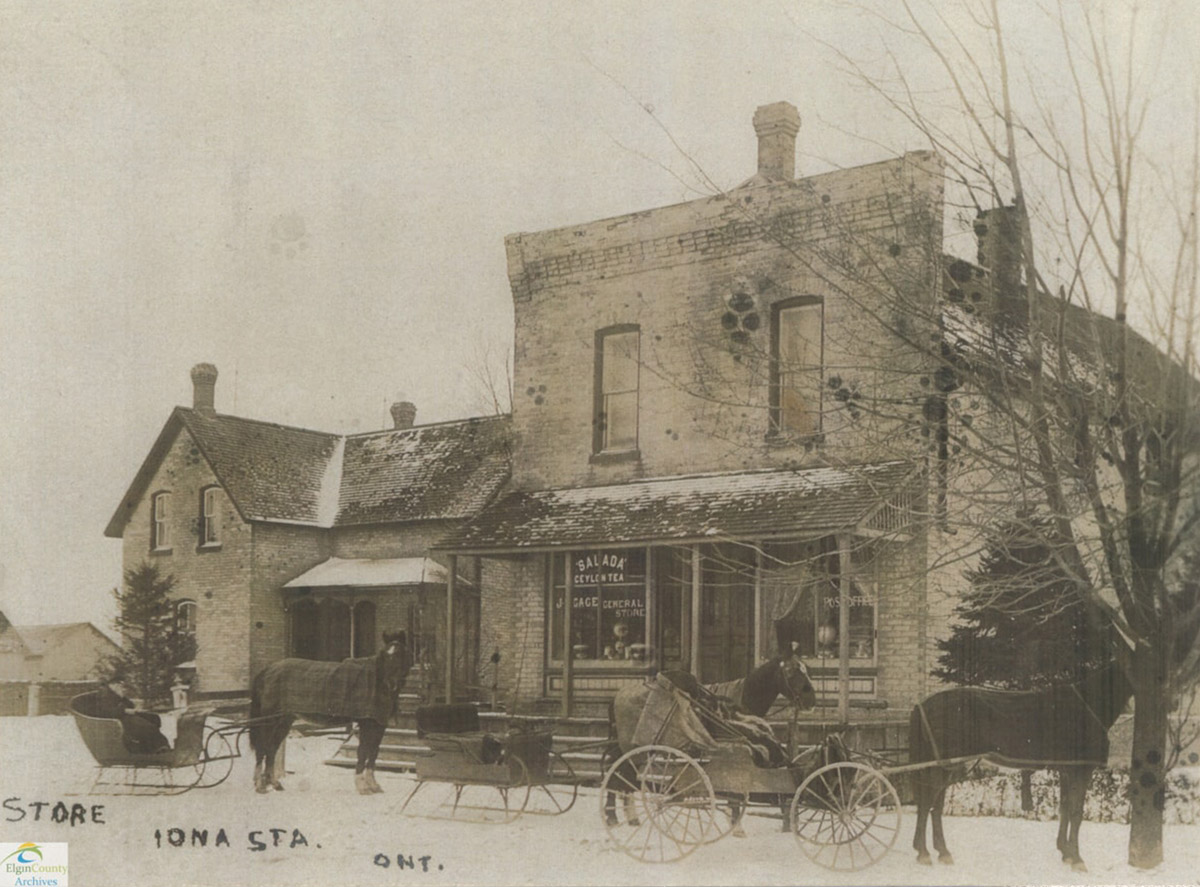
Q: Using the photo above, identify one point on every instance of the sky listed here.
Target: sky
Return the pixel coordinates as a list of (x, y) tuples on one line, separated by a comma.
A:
[(314, 198)]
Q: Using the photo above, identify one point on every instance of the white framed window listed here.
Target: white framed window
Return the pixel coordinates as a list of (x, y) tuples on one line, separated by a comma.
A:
[(209, 516), (797, 358), (616, 386), (160, 532)]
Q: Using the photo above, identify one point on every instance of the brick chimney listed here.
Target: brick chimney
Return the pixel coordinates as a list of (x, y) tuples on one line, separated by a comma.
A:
[(204, 388), (776, 126), (998, 236), (404, 414)]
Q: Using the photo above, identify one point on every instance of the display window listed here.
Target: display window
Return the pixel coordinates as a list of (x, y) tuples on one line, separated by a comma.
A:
[(609, 609)]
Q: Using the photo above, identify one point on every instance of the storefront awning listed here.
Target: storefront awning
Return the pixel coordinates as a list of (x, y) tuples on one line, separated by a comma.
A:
[(735, 505), (370, 572)]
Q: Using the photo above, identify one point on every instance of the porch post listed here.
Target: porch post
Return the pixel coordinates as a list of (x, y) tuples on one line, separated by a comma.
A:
[(653, 657), (451, 582), (568, 675), (696, 610), (844, 575), (758, 570)]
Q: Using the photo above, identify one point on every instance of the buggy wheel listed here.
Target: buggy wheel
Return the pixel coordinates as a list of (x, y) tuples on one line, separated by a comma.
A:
[(846, 816), (658, 804)]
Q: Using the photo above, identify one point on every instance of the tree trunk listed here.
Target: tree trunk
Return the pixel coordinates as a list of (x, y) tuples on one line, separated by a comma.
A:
[(1147, 765), (1026, 791)]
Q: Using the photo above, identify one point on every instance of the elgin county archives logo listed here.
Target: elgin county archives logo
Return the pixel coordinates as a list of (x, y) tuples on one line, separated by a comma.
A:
[(33, 865)]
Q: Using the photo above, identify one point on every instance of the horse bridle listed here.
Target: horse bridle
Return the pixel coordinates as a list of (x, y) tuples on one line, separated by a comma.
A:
[(794, 665)]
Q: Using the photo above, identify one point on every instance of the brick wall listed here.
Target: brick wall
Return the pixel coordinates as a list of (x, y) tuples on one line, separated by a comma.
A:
[(703, 396), (389, 540), (281, 553), (217, 577), (513, 619)]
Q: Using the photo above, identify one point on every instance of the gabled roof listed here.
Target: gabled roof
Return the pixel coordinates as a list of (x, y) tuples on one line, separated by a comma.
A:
[(748, 504), (432, 472), (277, 473), (38, 639)]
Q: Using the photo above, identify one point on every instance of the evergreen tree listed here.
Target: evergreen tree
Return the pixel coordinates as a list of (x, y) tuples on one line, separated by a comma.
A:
[(151, 643), (1021, 625)]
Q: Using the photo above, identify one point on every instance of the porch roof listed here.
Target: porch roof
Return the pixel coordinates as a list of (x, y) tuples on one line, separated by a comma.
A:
[(746, 505), (370, 572)]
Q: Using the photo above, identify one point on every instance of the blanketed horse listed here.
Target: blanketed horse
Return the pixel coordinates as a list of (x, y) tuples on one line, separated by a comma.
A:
[(355, 690), (752, 695), (1064, 728)]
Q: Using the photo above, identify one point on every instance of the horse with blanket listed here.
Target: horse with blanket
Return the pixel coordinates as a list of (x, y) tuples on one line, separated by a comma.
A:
[(739, 706), (355, 690), (1064, 727)]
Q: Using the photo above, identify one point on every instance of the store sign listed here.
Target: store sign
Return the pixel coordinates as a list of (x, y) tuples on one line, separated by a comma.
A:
[(599, 568), (854, 600)]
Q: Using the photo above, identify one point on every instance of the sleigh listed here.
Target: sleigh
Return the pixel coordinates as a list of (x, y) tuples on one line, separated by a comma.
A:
[(487, 777), (202, 756)]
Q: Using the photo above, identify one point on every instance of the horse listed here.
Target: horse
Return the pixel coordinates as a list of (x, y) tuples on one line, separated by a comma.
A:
[(361, 691), (753, 694), (1064, 727)]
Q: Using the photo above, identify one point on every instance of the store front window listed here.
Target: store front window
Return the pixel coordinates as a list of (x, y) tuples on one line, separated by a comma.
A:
[(609, 608), (802, 599)]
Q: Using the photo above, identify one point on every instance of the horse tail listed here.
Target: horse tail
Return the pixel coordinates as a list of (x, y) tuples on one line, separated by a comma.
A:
[(258, 729), (612, 748), (916, 736)]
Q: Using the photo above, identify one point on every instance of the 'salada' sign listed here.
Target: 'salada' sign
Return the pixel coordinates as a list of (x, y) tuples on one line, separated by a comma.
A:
[(600, 567)]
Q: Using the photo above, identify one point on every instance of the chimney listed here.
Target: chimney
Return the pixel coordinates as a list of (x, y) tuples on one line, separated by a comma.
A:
[(404, 414), (998, 235), (204, 387), (776, 126)]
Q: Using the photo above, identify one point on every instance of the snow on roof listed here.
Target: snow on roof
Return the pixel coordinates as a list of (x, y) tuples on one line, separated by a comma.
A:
[(733, 504), (370, 572)]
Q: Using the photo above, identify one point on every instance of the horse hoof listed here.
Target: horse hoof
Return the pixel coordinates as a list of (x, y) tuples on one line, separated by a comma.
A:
[(261, 789), (924, 859), (945, 859), (1078, 866), (738, 832)]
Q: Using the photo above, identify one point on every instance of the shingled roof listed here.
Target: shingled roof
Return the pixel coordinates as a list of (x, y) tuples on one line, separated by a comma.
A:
[(276, 473), (431, 472), (738, 505)]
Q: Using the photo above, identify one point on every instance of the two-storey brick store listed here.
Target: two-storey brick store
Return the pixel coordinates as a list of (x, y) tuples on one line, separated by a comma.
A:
[(696, 480)]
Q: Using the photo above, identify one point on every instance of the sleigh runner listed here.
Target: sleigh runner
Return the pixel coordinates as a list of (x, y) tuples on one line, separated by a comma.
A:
[(491, 777)]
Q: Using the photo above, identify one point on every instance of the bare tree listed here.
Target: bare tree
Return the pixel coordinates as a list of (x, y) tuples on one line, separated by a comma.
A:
[(1040, 397), (1085, 418)]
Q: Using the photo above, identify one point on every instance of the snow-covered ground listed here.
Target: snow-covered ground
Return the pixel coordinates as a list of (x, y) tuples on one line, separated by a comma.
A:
[(344, 838)]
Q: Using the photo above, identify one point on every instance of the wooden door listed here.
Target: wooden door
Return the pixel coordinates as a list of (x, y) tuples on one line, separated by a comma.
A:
[(726, 632)]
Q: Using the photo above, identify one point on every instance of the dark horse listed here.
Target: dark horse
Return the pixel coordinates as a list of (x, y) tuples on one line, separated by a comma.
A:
[(754, 694), (356, 690), (1063, 728)]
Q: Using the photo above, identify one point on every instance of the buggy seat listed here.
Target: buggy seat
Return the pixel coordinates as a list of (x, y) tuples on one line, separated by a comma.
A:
[(460, 752), (105, 739)]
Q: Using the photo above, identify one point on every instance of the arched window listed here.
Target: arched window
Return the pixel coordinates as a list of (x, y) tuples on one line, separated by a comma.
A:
[(364, 628), (797, 357), (185, 616), (210, 516), (615, 420), (160, 535)]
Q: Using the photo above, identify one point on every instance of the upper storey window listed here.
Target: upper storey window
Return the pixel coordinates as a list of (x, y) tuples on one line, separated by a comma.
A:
[(615, 421), (160, 535), (797, 345), (209, 516)]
